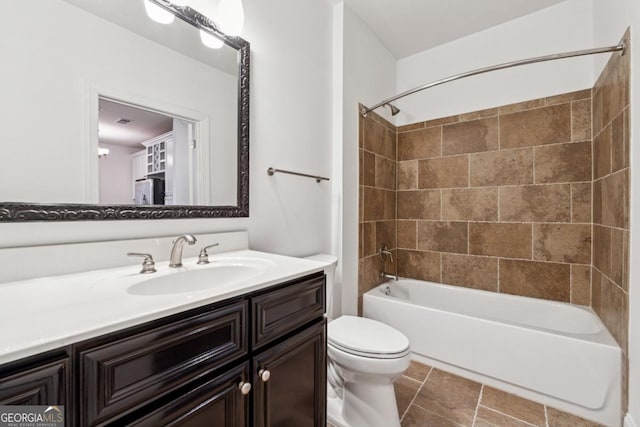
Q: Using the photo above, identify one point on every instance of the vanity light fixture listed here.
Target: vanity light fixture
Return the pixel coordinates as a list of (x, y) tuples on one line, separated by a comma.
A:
[(229, 14)]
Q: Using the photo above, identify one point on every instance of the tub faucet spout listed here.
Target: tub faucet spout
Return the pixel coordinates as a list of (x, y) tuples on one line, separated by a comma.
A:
[(176, 252), (386, 277)]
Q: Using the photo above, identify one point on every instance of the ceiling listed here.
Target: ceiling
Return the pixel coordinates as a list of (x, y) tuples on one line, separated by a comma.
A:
[(143, 124), (406, 27)]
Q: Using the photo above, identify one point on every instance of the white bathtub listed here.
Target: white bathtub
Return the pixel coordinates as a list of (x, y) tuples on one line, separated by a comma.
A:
[(550, 352)]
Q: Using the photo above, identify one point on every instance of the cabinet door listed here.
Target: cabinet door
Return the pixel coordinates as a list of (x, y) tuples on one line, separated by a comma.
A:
[(42, 384), (218, 402), (294, 395)]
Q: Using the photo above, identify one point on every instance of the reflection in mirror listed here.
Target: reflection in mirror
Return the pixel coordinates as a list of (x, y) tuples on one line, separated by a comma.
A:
[(64, 75), (145, 158)]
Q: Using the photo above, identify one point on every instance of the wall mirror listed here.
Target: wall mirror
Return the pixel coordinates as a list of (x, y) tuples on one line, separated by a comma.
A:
[(107, 114)]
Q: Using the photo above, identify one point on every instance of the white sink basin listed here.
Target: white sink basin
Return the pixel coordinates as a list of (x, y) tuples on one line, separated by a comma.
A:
[(215, 275)]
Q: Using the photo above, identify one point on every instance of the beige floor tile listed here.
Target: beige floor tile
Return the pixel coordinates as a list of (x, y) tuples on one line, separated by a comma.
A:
[(419, 417), (417, 371), (406, 389), (514, 406), (489, 418), (562, 419), (449, 396)]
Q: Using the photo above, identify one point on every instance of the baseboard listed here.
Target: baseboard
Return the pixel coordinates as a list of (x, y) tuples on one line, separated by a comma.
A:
[(628, 421)]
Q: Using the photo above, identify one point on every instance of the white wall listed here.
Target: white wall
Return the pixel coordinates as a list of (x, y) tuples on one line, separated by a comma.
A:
[(367, 75), (611, 19), (116, 175), (564, 27), (290, 127)]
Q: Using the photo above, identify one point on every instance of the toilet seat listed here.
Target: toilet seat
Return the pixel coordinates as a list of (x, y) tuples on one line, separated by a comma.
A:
[(367, 338)]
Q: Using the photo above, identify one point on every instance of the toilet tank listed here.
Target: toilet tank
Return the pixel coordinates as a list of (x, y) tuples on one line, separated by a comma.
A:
[(329, 271)]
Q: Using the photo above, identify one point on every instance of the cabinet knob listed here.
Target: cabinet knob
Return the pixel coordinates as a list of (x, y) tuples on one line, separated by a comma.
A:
[(264, 375), (244, 388)]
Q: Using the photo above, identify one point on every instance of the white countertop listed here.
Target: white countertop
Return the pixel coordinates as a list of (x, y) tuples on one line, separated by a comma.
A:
[(43, 314)]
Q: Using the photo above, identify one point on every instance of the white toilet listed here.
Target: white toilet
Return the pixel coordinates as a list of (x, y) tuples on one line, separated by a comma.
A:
[(365, 357)]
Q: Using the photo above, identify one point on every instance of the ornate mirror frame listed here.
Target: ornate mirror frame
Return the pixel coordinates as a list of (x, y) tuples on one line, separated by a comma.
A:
[(20, 212)]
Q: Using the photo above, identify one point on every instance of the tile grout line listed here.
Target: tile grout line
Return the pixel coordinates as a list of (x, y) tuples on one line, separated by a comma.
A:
[(526, 184), (417, 392), (532, 243), (475, 414), (571, 203), (571, 284), (546, 416)]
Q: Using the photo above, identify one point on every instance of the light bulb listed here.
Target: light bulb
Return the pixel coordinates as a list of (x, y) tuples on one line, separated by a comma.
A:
[(157, 13), (231, 16), (210, 41)]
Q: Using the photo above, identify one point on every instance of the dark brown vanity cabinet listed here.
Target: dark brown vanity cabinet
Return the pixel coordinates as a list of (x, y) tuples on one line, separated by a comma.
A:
[(259, 359), (35, 382)]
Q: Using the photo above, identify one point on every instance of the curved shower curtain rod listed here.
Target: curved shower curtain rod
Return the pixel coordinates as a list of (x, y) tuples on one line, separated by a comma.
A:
[(553, 57)]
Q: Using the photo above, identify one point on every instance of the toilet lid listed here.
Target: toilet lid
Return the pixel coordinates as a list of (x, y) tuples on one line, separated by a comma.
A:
[(367, 337)]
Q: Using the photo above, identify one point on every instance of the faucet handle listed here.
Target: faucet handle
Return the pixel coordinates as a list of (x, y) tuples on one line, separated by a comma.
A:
[(203, 258), (384, 252), (148, 266)]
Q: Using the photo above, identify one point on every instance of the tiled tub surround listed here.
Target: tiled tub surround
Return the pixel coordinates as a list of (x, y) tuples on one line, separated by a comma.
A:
[(377, 200), (542, 350), (611, 143), (500, 199), (529, 199), (429, 397)]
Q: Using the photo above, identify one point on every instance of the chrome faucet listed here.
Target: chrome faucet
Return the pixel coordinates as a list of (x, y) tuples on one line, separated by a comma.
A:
[(175, 260)]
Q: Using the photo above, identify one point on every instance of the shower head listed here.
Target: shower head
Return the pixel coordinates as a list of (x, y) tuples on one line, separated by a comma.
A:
[(394, 110)]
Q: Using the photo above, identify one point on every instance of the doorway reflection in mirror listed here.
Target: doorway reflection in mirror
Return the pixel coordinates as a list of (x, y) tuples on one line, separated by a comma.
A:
[(151, 157)]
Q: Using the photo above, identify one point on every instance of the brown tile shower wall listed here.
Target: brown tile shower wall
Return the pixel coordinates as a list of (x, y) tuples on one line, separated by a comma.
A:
[(500, 199), (610, 274), (377, 199)]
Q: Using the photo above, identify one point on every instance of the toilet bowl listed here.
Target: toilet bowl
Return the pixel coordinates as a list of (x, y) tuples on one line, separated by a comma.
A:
[(365, 357)]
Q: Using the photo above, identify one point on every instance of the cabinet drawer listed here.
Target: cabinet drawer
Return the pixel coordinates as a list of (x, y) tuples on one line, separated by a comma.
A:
[(218, 402), (277, 312), (121, 375), (44, 384)]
